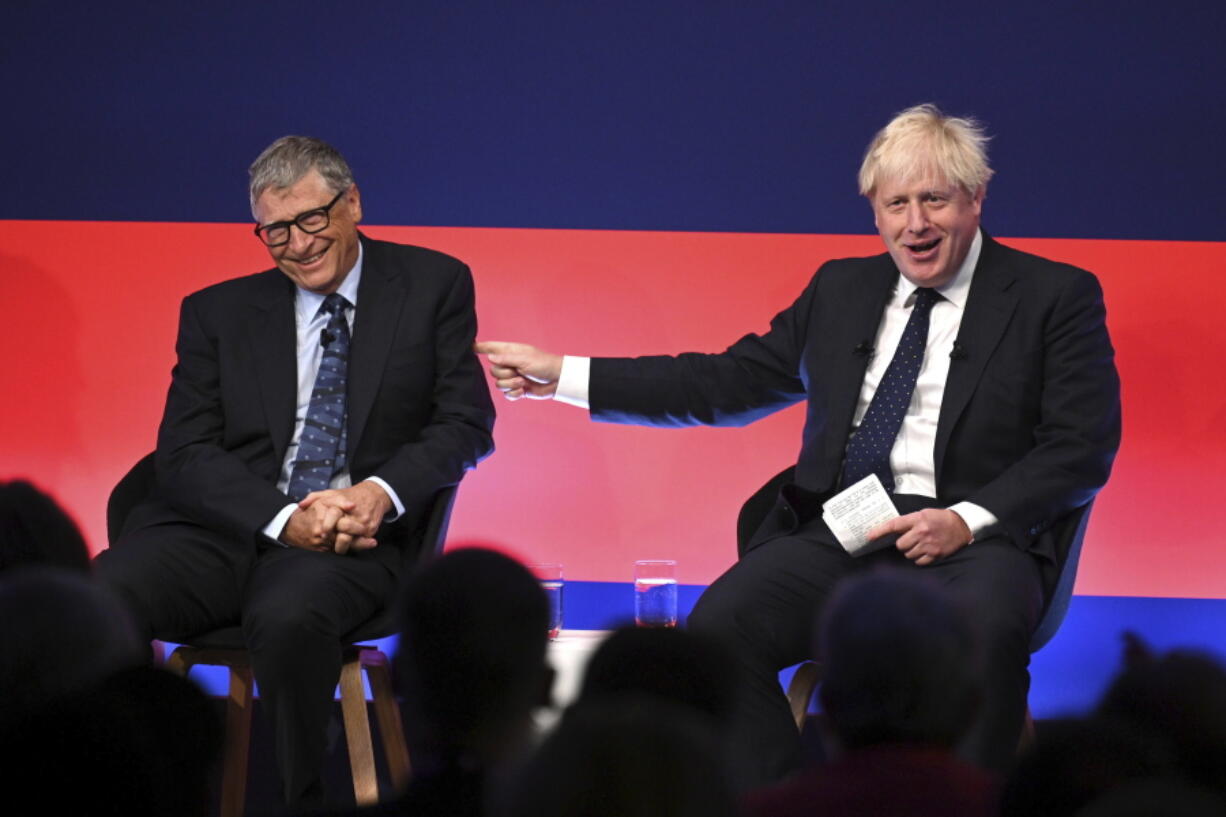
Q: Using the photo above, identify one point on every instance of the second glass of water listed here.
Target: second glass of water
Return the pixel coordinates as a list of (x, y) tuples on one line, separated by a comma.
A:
[(655, 593)]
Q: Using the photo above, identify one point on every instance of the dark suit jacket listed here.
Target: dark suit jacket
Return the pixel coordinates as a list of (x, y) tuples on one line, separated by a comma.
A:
[(419, 411), (1030, 419)]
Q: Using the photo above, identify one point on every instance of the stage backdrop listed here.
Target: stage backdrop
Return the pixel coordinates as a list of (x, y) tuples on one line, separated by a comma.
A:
[(639, 178)]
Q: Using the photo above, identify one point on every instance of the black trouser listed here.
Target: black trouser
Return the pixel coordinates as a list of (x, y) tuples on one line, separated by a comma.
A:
[(294, 606), (765, 606)]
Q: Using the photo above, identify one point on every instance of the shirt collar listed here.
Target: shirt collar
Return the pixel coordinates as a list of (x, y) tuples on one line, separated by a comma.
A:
[(959, 287), (309, 303)]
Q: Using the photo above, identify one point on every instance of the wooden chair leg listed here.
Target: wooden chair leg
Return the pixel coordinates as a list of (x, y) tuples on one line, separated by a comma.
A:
[(357, 732), (395, 749), (237, 746), (800, 690), (353, 711), (178, 663), (238, 742)]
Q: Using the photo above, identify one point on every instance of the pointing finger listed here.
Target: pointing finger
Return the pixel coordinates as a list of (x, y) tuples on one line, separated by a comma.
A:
[(488, 347)]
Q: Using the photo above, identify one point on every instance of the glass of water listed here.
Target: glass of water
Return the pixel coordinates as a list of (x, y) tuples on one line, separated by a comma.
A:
[(655, 593), (550, 576)]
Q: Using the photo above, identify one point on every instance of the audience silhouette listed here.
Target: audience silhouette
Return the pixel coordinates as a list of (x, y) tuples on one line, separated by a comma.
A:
[(903, 682), (471, 668), (1075, 760), (35, 530), (1155, 744), (685, 668), (1178, 700), (624, 755), (89, 728), (62, 634)]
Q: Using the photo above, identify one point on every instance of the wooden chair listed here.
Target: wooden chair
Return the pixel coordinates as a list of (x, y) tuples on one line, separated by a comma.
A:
[(225, 647), (1069, 532)]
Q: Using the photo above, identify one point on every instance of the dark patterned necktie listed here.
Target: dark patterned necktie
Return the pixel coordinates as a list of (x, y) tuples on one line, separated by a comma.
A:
[(321, 448), (869, 449)]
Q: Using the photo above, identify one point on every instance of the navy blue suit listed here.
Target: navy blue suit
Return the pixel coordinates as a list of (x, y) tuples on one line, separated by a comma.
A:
[(192, 557), (1028, 429)]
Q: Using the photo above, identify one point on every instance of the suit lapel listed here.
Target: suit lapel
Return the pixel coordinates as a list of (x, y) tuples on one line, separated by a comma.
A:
[(274, 344), (380, 296), (860, 313), (989, 307)]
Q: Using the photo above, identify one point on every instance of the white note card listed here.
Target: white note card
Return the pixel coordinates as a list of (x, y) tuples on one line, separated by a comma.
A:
[(853, 512)]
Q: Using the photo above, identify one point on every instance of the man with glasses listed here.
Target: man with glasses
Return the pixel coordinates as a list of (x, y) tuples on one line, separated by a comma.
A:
[(314, 411)]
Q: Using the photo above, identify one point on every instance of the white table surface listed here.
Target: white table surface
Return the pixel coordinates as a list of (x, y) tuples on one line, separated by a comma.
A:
[(568, 655)]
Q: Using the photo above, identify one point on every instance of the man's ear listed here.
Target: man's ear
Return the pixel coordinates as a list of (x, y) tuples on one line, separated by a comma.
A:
[(978, 197), (353, 200)]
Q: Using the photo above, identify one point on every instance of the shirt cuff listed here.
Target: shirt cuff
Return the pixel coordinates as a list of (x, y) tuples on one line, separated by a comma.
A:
[(274, 528), (573, 381), (976, 517), (399, 506)]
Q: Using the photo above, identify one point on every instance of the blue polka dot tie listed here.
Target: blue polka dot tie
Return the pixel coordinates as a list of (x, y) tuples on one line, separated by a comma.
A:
[(321, 449), (869, 449)]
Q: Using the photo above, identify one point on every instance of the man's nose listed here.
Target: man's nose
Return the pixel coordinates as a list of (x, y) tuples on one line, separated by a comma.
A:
[(917, 218), (298, 239)]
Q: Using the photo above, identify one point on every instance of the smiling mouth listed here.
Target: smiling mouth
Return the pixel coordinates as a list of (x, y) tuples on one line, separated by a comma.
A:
[(923, 247), (306, 262)]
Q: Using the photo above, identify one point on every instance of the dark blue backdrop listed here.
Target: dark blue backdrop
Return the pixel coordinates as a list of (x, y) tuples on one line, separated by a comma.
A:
[(655, 115)]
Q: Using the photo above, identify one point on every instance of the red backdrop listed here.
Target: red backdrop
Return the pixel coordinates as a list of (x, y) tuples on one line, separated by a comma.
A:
[(91, 310)]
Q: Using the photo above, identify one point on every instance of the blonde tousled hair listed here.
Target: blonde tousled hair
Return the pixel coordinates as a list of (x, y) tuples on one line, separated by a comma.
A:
[(922, 143)]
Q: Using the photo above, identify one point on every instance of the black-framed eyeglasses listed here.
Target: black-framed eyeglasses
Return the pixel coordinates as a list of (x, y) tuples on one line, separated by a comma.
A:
[(312, 221)]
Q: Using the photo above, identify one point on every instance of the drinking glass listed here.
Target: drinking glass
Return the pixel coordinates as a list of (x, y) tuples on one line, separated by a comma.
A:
[(550, 576), (655, 593)]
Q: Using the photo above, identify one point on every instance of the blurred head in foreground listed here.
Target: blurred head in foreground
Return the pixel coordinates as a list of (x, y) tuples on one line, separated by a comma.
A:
[(902, 663), (675, 665), (35, 530), (1178, 701), (624, 756), (471, 660), (62, 633)]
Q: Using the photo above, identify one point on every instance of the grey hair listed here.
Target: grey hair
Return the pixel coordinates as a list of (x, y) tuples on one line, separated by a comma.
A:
[(921, 142), (290, 158)]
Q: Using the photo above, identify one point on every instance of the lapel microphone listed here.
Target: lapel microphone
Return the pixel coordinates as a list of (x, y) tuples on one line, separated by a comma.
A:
[(863, 348), (326, 337), (958, 352)]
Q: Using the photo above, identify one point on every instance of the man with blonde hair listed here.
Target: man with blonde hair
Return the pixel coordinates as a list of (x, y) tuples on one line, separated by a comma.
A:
[(975, 381)]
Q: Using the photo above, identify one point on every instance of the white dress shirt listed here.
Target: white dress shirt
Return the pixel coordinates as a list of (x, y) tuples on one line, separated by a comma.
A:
[(310, 320), (911, 458)]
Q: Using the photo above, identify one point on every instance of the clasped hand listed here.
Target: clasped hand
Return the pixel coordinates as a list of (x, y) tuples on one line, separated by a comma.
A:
[(338, 520)]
